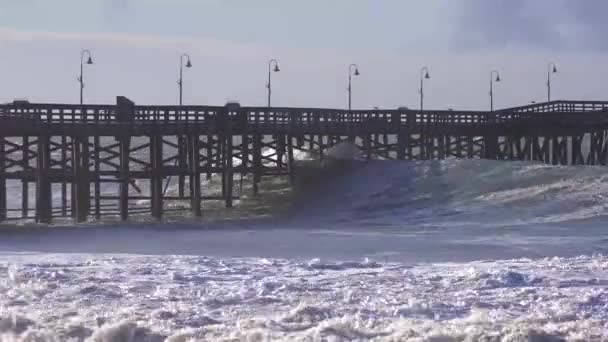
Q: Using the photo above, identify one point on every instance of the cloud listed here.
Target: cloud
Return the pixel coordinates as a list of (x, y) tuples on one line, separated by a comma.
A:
[(557, 25), (207, 46), (503, 23), (115, 9), (589, 24)]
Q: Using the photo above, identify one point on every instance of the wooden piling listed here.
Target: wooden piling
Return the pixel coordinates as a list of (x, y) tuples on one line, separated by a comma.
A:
[(290, 160), (367, 143), (3, 195), (96, 177), (209, 156), (25, 163), (85, 181), (43, 184), (125, 144), (195, 176), (181, 162), (75, 177), (156, 158), (81, 182), (231, 110), (401, 144), (257, 162), (321, 147), (65, 177), (280, 149)]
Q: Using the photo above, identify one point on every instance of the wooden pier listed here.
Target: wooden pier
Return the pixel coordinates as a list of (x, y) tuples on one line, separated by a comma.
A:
[(60, 155)]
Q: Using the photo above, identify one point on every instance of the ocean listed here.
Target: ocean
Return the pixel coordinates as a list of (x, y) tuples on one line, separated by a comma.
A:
[(446, 250)]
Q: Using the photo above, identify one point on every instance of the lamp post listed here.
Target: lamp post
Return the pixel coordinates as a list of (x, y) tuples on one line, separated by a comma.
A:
[(351, 72), (180, 82), (492, 80), (269, 84), (83, 54), (424, 74), (181, 149), (551, 69)]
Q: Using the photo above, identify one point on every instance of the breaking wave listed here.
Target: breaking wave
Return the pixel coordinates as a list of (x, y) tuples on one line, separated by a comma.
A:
[(450, 193)]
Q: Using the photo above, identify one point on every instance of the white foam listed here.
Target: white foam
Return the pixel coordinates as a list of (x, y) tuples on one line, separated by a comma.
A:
[(141, 298)]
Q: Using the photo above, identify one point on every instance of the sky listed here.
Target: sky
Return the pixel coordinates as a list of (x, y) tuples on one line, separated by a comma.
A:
[(137, 44)]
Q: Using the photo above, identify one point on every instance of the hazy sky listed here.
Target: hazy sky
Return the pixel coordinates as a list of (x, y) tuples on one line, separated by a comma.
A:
[(136, 46)]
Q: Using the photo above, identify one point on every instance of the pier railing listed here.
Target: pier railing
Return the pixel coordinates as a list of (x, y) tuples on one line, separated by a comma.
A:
[(51, 112)]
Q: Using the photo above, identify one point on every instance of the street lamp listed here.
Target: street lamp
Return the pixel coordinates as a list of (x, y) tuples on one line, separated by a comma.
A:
[(551, 69), (80, 79), (270, 70), (180, 82), (351, 72), (492, 80), (424, 74)]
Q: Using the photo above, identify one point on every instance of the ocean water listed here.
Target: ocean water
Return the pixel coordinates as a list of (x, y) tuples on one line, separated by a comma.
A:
[(451, 250)]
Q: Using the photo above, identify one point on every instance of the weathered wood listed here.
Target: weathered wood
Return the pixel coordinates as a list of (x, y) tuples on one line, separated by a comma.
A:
[(290, 160), (125, 145), (85, 181), (182, 152), (97, 186), (195, 179), (43, 184), (25, 162), (280, 150), (64, 166), (257, 162), (156, 157), (3, 194), (227, 141), (367, 146), (209, 156), (75, 177)]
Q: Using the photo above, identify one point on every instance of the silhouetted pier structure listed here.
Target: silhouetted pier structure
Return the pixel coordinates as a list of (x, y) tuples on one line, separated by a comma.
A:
[(61, 154)]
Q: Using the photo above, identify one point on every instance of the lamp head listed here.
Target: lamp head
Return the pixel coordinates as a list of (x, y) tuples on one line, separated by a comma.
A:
[(188, 64), (276, 68), (427, 75), (357, 72), (497, 78), (554, 68), (90, 60)]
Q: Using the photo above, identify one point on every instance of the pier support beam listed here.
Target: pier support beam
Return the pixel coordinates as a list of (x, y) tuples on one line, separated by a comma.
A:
[(125, 144), (209, 156), (156, 186), (3, 208), (44, 206), (231, 110), (291, 161), (195, 176), (257, 162), (96, 177), (81, 182), (401, 145), (280, 150), (367, 146), (182, 153), (65, 176), (25, 166), (228, 171)]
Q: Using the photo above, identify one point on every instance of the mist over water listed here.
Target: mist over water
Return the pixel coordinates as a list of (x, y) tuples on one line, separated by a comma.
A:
[(462, 250)]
